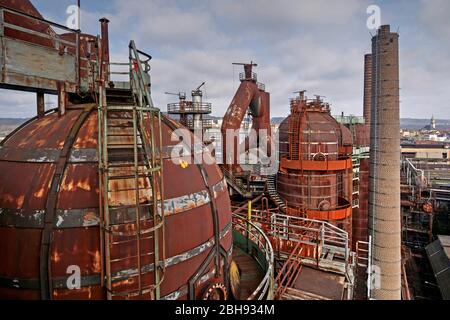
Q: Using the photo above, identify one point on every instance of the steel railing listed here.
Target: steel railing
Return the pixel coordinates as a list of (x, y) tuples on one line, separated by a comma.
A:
[(189, 107), (289, 272), (315, 233), (140, 86), (150, 134), (253, 233), (243, 77), (206, 123), (261, 86)]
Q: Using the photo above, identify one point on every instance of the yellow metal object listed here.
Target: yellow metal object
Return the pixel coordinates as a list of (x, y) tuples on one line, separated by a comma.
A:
[(183, 164), (235, 280)]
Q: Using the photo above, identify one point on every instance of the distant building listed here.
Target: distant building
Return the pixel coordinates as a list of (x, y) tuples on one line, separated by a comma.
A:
[(425, 149), (432, 125)]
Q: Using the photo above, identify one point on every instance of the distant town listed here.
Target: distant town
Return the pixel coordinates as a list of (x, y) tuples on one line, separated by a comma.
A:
[(413, 131)]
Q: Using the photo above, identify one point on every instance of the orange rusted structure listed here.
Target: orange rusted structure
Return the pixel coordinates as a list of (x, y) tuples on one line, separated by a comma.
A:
[(28, 160), (50, 190), (251, 95), (315, 173)]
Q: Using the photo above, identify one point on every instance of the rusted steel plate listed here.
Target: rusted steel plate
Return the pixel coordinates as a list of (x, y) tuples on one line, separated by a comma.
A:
[(71, 250), (76, 218), (78, 247), (79, 187), (338, 214), (29, 155), (174, 174), (43, 133), (323, 285), (87, 217), (308, 190), (311, 165), (90, 293), (10, 153), (88, 135), (87, 59), (19, 250), (24, 186)]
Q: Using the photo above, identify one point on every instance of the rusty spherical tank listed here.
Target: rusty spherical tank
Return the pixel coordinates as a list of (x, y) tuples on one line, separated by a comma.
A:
[(315, 176), (196, 202)]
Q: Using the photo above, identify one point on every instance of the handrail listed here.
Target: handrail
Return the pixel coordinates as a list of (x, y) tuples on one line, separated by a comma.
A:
[(310, 232), (416, 170), (138, 77), (189, 106), (242, 76), (255, 234), (140, 86), (289, 272)]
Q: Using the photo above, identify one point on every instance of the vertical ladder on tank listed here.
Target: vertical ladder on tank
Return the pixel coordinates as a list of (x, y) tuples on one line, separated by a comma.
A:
[(294, 135), (131, 184)]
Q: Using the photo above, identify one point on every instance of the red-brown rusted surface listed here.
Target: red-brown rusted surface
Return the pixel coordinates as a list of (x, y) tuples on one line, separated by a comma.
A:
[(27, 7), (27, 164), (88, 54), (248, 95), (361, 136), (315, 176)]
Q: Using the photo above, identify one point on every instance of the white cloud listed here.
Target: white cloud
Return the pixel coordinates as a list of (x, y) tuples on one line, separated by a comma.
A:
[(17, 104), (270, 13), (313, 45), (435, 15)]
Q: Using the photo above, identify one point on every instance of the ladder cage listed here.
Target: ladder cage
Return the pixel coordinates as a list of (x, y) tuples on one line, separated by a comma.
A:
[(131, 182)]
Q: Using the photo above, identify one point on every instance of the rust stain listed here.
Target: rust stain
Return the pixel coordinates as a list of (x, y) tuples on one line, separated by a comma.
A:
[(25, 185)]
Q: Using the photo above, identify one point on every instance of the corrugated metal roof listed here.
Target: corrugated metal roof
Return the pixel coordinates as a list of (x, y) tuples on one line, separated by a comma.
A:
[(439, 255)]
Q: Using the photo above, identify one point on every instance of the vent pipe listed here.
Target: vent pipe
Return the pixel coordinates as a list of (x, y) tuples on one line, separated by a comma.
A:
[(384, 187)]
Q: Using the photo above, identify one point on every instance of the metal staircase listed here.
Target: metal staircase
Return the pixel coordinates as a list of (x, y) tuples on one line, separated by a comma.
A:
[(289, 273), (272, 190), (234, 183), (131, 185)]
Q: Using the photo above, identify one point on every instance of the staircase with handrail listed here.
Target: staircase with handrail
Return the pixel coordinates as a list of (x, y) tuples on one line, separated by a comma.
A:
[(131, 184)]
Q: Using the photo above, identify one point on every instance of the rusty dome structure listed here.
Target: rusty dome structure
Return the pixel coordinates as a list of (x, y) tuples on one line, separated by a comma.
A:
[(315, 173), (29, 160), (94, 184)]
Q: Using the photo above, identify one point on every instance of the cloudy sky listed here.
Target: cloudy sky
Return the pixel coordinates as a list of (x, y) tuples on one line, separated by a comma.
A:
[(314, 45)]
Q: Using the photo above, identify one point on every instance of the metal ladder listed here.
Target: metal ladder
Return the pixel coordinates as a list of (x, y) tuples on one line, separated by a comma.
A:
[(294, 137), (131, 184)]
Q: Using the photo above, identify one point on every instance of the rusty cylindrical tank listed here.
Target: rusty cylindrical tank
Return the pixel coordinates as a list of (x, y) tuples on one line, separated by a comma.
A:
[(197, 209), (315, 176)]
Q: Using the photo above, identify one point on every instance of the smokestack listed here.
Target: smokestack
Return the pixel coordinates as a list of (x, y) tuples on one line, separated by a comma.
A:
[(367, 87), (384, 187), (105, 38)]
